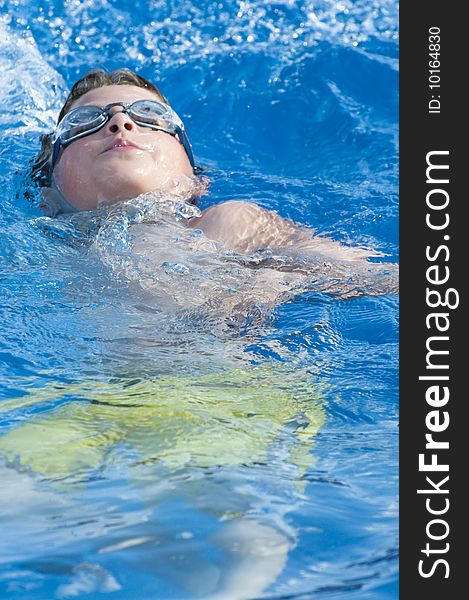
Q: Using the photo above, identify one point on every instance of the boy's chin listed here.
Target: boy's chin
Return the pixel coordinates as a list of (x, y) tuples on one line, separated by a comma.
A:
[(181, 186)]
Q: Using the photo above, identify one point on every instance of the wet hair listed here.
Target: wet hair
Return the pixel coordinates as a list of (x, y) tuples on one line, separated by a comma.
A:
[(96, 78)]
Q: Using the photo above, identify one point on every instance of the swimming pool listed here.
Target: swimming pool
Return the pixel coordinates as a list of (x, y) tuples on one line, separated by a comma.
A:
[(141, 445)]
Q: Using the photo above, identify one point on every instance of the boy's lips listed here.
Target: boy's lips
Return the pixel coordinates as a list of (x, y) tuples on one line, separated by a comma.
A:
[(121, 145)]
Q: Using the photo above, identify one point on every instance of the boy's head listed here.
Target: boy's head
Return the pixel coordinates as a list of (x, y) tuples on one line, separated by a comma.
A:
[(116, 137)]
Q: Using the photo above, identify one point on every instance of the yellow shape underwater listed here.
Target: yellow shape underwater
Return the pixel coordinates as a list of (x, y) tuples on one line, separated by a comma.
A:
[(223, 418)]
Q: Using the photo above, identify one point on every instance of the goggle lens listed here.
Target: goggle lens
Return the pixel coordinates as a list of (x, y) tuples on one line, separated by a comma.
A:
[(155, 113), (78, 122)]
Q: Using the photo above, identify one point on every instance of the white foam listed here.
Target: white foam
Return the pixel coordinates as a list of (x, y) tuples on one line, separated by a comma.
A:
[(32, 91)]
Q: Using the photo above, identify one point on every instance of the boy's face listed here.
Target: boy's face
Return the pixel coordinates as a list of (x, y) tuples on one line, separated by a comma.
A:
[(122, 159)]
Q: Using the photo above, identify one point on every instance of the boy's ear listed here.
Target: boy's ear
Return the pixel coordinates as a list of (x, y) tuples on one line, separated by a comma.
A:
[(51, 204)]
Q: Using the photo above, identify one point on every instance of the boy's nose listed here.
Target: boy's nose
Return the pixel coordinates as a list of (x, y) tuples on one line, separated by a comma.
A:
[(120, 121)]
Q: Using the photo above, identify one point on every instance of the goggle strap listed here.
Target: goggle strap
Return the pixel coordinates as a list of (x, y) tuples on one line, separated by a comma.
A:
[(187, 146)]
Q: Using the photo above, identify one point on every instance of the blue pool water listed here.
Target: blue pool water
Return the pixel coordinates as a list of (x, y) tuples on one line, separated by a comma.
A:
[(151, 453)]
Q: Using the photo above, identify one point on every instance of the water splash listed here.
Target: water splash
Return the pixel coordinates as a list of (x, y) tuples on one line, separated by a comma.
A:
[(175, 32)]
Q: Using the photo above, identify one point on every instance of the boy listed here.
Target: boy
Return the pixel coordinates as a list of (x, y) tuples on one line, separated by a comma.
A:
[(117, 138)]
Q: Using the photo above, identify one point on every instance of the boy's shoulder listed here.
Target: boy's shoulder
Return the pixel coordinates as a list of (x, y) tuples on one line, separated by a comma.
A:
[(242, 225), (235, 223), (241, 212), (231, 208), (229, 214)]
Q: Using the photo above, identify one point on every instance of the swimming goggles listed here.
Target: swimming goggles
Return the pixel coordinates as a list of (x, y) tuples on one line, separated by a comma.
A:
[(85, 120)]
